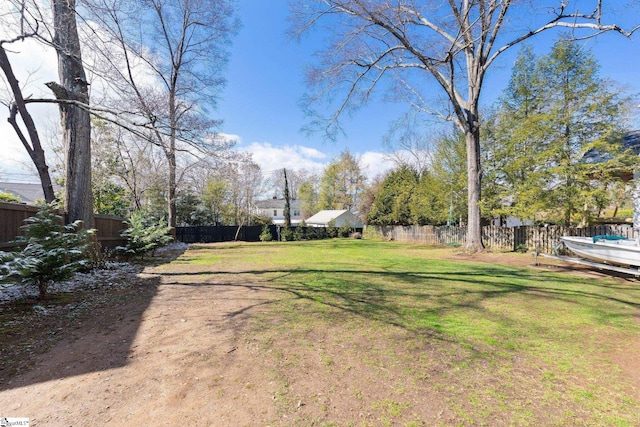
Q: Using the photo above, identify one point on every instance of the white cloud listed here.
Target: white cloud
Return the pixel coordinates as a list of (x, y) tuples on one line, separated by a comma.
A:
[(296, 157), (311, 153), (375, 163), (229, 137)]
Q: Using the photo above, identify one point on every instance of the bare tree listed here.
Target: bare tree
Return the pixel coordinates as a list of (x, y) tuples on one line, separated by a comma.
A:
[(20, 24), (170, 56), (408, 143), (72, 97), (30, 141), (137, 164), (295, 178), (453, 43), (245, 178), (76, 121)]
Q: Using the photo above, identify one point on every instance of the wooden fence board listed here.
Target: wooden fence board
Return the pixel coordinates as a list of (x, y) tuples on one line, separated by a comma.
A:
[(12, 216), (499, 238)]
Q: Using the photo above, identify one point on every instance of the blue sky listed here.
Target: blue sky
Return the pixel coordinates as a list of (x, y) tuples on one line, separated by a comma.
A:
[(266, 82), (260, 104)]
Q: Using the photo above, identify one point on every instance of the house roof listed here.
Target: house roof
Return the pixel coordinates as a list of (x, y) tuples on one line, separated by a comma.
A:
[(323, 217), (28, 193), (276, 204)]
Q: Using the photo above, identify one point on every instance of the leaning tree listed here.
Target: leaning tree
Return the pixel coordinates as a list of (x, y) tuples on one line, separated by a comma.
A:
[(405, 44), (28, 20)]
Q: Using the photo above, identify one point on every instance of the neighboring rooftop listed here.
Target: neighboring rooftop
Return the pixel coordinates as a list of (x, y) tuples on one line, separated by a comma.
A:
[(276, 204), (28, 193), (341, 217)]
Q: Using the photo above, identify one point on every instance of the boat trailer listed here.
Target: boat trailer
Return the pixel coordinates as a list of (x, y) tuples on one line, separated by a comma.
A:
[(600, 266)]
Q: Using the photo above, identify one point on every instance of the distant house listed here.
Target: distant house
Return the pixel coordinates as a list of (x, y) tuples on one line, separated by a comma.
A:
[(340, 217), (28, 193), (274, 208), (512, 221)]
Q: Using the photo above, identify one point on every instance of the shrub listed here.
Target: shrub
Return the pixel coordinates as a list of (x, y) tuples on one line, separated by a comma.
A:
[(262, 220), (345, 230), (52, 251), (144, 234), (286, 234), (299, 233), (522, 248), (265, 235), (9, 198), (332, 231)]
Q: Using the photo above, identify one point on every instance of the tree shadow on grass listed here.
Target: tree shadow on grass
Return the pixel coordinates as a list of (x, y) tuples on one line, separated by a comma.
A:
[(419, 301)]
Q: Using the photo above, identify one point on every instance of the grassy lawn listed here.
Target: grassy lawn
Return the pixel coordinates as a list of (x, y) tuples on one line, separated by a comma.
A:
[(416, 338)]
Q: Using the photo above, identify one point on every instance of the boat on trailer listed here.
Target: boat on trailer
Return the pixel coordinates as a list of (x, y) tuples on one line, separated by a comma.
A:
[(614, 250), (612, 253)]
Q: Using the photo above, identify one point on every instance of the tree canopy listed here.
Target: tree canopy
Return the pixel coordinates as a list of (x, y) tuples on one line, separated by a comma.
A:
[(554, 144), (398, 47)]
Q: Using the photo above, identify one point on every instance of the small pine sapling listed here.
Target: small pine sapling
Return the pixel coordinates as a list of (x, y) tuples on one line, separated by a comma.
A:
[(144, 234), (52, 251), (286, 234), (265, 235)]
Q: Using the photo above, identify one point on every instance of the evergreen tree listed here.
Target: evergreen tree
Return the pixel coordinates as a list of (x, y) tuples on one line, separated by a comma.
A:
[(308, 199), (514, 148), (52, 251), (555, 119), (393, 203), (584, 115), (341, 183), (287, 202)]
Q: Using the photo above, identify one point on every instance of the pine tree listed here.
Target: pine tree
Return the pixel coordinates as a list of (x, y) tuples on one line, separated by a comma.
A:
[(555, 110), (52, 251), (287, 202)]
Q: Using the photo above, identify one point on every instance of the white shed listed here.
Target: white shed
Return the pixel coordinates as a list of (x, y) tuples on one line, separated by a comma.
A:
[(341, 217)]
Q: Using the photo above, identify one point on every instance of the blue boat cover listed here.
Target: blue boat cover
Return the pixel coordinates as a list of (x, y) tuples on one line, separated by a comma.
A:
[(603, 237)]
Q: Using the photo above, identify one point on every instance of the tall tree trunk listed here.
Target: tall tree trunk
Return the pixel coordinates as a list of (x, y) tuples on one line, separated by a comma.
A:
[(33, 146), (171, 157), (171, 194), (76, 123), (474, 227)]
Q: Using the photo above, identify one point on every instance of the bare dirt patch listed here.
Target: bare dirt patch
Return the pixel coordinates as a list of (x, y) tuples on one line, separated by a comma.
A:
[(193, 349)]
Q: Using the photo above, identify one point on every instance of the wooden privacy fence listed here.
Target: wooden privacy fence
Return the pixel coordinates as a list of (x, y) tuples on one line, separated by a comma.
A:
[(12, 216), (498, 238)]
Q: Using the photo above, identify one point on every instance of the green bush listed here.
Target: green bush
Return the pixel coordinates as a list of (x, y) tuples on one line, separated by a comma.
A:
[(286, 234), (332, 230), (52, 251), (522, 248), (144, 234), (9, 198), (345, 230), (299, 233), (265, 235)]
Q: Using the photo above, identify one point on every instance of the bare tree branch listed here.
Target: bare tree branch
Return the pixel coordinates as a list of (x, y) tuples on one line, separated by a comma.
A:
[(452, 43)]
